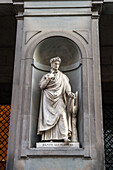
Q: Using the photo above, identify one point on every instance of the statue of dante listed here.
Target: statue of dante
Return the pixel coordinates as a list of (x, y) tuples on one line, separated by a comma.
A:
[(54, 121)]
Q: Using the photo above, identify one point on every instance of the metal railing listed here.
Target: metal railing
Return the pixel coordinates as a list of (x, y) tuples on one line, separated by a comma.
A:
[(4, 132), (108, 135)]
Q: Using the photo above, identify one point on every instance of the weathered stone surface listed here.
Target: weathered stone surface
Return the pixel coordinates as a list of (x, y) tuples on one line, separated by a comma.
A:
[(5, 1), (66, 22)]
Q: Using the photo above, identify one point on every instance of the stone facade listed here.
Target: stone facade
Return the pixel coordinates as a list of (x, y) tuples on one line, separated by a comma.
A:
[(37, 21)]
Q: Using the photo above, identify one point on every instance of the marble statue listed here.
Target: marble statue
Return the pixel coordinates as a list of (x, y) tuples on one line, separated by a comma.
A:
[(58, 106)]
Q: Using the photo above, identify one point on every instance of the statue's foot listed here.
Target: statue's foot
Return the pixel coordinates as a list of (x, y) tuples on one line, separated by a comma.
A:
[(66, 140)]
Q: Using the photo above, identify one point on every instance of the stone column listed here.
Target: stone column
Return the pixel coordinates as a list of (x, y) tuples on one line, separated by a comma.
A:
[(97, 85), (14, 135)]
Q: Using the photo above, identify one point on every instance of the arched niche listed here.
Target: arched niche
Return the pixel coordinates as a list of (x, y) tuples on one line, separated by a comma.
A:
[(56, 46), (70, 55)]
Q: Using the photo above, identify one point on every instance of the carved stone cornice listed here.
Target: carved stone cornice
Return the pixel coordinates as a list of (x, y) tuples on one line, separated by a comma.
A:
[(94, 5), (18, 6), (96, 8)]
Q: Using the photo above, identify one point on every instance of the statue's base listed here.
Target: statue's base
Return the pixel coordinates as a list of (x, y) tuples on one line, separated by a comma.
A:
[(57, 144)]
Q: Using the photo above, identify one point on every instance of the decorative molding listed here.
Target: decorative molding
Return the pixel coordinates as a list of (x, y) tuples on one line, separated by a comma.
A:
[(96, 8), (30, 34), (18, 6), (84, 34)]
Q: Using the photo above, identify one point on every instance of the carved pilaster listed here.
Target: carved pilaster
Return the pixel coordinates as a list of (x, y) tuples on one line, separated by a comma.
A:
[(96, 8)]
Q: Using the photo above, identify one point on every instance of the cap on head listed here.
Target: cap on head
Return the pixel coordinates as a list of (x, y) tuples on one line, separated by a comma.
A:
[(55, 59)]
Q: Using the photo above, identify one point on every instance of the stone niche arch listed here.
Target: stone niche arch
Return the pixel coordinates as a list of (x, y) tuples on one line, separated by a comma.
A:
[(43, 49)]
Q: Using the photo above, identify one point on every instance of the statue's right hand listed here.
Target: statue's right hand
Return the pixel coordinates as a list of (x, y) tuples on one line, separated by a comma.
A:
[(51, 76)]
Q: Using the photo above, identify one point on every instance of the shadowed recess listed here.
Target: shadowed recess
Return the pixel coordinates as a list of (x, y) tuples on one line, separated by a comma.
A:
[(54, 46)]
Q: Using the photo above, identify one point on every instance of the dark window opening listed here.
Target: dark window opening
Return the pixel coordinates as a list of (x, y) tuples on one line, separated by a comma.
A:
[(7, 50), (106, 51)]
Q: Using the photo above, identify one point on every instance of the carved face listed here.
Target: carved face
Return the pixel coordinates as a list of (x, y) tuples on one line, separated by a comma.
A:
[(55, 65)]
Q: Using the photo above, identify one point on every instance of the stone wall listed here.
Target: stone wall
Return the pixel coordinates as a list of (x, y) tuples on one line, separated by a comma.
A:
[(77, 21)]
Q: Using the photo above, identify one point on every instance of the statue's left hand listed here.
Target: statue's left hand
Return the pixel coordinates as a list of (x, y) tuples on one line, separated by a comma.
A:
[(71, 95)]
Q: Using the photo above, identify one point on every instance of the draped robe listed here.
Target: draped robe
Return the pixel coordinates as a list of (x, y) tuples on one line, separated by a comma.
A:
[(54, 122)]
